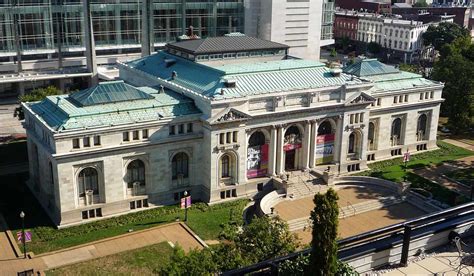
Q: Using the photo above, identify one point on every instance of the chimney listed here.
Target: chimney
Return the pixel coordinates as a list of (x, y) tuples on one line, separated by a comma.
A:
[(174, 75), (162, 89)]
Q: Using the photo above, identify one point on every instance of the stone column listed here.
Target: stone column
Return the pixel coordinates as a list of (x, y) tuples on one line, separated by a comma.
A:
[(338, 139), (312, 141), (273, 151), (306, 144), (279, 151)]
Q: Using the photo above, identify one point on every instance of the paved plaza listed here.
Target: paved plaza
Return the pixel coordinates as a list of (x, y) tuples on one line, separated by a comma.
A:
[(371, 220), (300, 208)]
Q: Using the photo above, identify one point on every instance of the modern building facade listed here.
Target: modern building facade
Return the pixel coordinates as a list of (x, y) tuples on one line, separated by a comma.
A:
[(219, 118), (305, 26), (62, 41)]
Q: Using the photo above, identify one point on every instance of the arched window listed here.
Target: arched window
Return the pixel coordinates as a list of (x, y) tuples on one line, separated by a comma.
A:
[(293, 135), (257, 155), (88, 179), (396, 131), (180, 165), (135, 173), (352, 143), (225, 166), (257, 139), (325, 128), (421, 127)]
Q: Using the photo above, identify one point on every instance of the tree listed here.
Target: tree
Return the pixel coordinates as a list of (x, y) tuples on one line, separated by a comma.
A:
[(408, 68), (455, 68), (420, 4), (265, 238), (324, 245), (443, 34), (333, 52), (374, 47), (39, 94)]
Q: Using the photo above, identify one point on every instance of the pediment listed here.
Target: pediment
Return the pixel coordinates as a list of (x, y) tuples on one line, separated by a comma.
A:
[(362, 98), (230, 115)]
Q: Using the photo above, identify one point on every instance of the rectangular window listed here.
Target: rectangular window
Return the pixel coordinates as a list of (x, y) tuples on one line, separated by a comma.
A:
[(135, 135), (421, 96), (181, 129), (395, 99), (406, 98), (400, 99), (144, 133), (431, 94), (171, 130), (190, 127), (234, 137), (361, 117), (132, 205), (426, 95), (379, 101), (125, 136), (86, 142), (92, 213), (96, 140), (228, 137), (352, 118), (75, 143), (98, 212), (84, 215), (221, 138)]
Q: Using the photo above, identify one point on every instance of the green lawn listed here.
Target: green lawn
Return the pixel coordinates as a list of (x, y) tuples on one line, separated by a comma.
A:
[(202, 219), (393, 170), (144, 261)]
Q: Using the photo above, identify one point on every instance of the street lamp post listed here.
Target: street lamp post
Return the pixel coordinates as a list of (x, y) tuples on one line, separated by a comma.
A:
[(22, 216), (185, 206)]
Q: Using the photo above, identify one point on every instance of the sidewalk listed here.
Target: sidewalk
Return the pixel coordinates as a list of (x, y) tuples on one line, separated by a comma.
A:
[(459, 144), (177, 233)]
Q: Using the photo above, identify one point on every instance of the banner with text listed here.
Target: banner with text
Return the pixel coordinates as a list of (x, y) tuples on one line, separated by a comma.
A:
[(257, 161), (325, 148)]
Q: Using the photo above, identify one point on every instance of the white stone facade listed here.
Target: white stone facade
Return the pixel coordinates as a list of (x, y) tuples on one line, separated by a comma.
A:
[(233, 148)]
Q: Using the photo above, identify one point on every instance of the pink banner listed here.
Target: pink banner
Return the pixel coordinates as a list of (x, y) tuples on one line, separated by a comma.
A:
[(289, 147)]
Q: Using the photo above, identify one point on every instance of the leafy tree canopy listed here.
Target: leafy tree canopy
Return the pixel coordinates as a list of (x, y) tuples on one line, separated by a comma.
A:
[(408, 68), (420, 4), (264, 238), (455, 68), (374, 47), (39, 94), (444, 33)]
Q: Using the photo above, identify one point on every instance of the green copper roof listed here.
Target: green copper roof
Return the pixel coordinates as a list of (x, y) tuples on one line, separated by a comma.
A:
[(399, 81), (251, 79), (64, 113), (108, 92), (369, 67), (266, 66)]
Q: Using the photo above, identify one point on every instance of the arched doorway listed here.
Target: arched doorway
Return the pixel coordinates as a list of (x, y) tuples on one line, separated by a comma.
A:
[(88, 182), (257, 155), (325, 142), (292, 147), (421, 127), (135, 177)]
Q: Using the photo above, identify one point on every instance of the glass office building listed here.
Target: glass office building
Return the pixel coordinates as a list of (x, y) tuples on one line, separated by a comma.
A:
[(45, 31)]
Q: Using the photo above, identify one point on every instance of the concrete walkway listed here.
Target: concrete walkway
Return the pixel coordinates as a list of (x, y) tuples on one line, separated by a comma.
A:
[(459, 144), (177, 233)]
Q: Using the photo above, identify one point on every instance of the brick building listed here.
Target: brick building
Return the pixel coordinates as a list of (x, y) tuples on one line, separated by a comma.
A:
[(345, 24)]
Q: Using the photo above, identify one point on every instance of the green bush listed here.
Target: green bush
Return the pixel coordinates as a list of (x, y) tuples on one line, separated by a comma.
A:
[(39, 94)]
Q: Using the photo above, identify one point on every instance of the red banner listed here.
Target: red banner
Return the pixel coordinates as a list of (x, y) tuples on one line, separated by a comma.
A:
[(289, 147)]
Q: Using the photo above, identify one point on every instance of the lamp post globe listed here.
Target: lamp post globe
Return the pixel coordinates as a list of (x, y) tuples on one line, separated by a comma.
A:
[(22, 216)]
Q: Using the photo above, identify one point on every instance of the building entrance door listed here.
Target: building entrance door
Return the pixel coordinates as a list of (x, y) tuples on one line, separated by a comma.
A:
[(290, 160)]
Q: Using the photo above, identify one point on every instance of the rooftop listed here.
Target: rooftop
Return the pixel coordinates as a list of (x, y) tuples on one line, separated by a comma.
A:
[(225, 44), (386, 77), (63, 112), (251, 78)]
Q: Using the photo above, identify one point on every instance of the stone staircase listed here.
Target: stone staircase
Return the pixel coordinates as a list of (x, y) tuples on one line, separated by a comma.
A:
[(304, 185), (349, 210)]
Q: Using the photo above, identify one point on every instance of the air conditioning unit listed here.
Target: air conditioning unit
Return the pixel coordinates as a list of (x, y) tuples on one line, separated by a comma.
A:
[(89, 197)]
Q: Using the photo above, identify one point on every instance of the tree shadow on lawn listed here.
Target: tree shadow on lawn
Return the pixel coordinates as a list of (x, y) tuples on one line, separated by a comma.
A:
[(17, 197)]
